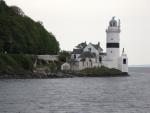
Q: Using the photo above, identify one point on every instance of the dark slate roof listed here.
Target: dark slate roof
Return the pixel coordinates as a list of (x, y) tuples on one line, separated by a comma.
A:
[(87, 54), (97, 46), (77, 51), (81, 45)]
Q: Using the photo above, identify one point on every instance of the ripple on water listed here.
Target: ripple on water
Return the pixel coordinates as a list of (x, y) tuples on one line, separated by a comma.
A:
[(78, 95)]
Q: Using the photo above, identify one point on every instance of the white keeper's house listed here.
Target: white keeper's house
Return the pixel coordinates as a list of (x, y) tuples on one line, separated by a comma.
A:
[(92, 55)]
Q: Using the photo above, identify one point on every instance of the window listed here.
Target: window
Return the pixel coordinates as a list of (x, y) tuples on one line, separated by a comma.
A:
[(74, 56), (89, 49), (100, 59), (90, 61), (112, 45), (124, 61)]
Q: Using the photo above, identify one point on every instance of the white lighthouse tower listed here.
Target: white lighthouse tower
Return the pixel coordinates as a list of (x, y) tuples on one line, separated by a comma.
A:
[(113, 43), (113, 57)]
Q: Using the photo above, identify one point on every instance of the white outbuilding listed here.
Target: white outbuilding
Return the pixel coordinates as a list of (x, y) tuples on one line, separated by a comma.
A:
[(65, 67)]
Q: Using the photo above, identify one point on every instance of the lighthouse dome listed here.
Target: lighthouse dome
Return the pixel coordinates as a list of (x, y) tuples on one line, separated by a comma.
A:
[(113, 22)]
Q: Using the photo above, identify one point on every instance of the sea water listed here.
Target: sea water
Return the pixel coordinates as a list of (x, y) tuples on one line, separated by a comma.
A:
[(78, 95)]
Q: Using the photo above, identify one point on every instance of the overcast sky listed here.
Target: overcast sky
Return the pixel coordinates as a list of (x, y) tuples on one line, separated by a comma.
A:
[(75, 21)]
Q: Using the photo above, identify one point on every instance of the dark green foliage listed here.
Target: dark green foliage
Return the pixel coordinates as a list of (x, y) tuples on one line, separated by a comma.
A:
[(101, 71), (64, 55), (20, 34), (25, 61), (52, 66), (15, 63)]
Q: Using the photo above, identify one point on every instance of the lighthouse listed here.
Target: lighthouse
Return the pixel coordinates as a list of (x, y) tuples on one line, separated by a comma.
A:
[(91, 55), (113, 43)]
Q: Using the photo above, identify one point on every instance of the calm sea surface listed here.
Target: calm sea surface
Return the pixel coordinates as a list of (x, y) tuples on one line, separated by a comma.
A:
[(78, 95)]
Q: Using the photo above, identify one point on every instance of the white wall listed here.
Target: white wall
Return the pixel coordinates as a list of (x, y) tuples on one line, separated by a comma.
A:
[(113, 37), (123, 67), (65, 67), (48, 57), (93, 50), (113, 53), (87, 63), (110, 63), (77, 55)]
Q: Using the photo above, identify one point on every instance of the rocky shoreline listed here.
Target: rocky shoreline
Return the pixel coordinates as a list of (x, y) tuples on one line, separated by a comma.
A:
[(30, 75)]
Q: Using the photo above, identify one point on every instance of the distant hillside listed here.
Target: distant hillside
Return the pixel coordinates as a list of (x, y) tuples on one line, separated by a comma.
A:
[(21, 34)]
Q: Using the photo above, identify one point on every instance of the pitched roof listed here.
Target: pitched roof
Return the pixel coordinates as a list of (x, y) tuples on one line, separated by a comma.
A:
[(81, 45), (87, 54), (97, 46), (77, 51)]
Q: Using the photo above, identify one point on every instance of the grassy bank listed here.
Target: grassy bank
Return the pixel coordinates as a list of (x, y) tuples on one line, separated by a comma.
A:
[(102, 71), (16, 63), (97, 72), (21, 66)]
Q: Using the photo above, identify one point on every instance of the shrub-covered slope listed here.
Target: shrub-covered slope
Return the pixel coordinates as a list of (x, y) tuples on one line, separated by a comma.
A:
[(16, 63), (21, 34), (102, 72)]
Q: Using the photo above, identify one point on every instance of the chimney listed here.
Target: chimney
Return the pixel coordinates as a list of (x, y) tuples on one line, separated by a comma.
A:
[(98, 43)]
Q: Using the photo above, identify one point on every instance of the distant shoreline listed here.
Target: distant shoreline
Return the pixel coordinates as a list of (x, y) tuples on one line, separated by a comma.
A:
[(54, 75), (141, 66)]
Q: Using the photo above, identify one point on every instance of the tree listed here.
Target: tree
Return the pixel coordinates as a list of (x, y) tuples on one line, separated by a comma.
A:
[(3, 5), (63, 56), (20, 34), (17, 10)]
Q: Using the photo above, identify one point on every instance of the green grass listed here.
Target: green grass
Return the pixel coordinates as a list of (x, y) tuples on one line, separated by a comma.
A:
[(100, 71), (15, 63)]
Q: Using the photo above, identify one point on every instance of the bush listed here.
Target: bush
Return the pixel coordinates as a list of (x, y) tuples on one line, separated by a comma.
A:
[(52, 67), (63, 56), (15, 63), (25, 61)]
